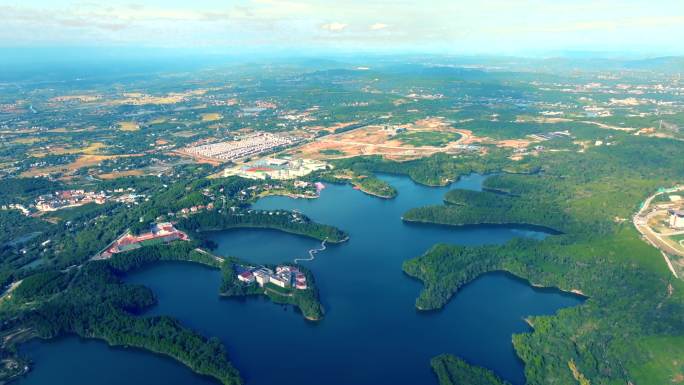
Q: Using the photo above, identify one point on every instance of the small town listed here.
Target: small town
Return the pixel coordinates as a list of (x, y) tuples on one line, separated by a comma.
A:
[(243, 147), (65, 199), (69, 198)]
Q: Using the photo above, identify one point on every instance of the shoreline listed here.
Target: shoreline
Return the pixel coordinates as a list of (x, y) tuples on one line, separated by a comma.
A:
[(573, 291), (520, 226), (290, 195), (377, 195), (208, 230)]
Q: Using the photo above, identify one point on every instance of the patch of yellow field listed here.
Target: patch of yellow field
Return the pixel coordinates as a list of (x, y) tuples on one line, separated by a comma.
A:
[(82, 161), (77, 98), (91, 160), (211, 117), (27, 140), (92, 148), (139, 98), (121, 174), (128, 126), (514, 143), (63, 130), (157, 121), (184, 134)]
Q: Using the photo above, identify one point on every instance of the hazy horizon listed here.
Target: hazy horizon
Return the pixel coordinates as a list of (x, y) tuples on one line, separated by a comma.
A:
[(526, 28)]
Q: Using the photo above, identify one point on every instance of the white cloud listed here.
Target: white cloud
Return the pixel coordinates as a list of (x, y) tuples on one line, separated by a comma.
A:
[(366, 24), (334, 26)]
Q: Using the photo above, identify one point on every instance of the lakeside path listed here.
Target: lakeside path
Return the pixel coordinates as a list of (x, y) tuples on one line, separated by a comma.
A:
[(312, 253), (640, 221)]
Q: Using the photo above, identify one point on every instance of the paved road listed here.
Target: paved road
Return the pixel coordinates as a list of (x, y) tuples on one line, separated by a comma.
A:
[(640, 221)]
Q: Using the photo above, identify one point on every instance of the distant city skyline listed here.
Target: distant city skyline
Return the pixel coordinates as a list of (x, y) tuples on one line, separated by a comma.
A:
[(521, 27)]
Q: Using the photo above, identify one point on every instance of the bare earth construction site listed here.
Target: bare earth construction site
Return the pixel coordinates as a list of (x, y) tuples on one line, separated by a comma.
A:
[(396, 142)]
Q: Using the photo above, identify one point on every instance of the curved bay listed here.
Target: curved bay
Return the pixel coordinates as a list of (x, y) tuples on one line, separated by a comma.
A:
[(371, 332)]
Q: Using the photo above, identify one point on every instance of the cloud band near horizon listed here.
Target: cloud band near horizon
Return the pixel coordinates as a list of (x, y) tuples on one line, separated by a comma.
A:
[(496, 26)]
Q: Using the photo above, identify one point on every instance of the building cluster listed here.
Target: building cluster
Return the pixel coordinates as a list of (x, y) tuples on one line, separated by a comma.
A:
[(466, 147), (194, 209), (275, 168), (266, 104), (16, 206), (296, 116), (597, 112), (425, 96), (393, 130), (68, 198), (550, 135), (74, 198), (283, 276), (243, 147), (159, 233)]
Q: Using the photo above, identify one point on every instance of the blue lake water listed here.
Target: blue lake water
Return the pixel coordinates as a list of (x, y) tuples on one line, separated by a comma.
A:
[(371, 332)]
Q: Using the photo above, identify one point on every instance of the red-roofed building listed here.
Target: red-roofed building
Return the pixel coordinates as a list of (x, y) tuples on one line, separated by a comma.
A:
[(246, 276)]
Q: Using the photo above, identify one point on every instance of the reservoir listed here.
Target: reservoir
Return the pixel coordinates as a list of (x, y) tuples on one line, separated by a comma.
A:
[(371, 332)]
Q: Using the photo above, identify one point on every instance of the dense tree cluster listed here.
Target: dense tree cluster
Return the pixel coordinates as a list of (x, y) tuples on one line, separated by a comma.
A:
[(93, 302), (439, 169), (452, 370), (281, 220), (20, 190)]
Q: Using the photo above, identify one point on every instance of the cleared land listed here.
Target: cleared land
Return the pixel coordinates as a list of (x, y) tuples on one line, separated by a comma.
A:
[(428, 138), (121, 174), (211, 117), (128, 126), (416, 140), (82, 161), (91, 149)]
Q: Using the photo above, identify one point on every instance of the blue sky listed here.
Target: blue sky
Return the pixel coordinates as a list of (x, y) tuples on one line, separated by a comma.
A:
[(650, 27)]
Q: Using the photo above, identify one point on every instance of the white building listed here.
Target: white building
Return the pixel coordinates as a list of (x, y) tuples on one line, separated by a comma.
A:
[(677, 219), (276, 162), (262, 276), (280, 281)]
